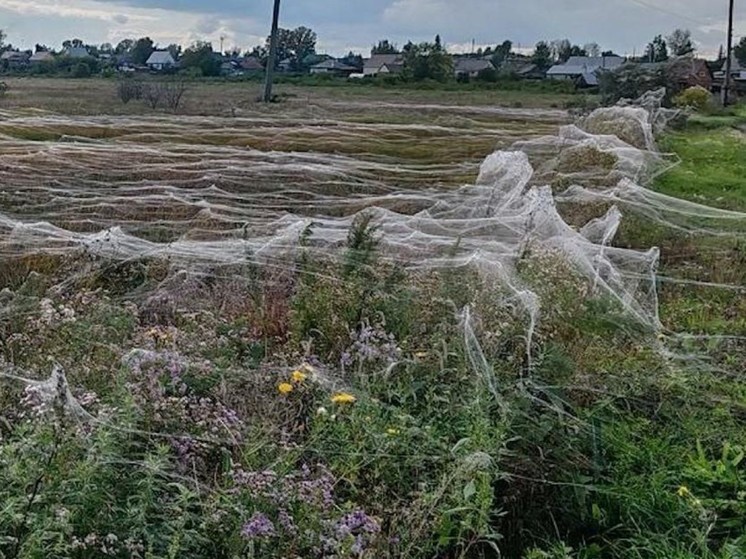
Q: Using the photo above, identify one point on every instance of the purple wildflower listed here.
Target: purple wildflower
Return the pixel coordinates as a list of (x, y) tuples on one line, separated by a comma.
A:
[(258, 526)]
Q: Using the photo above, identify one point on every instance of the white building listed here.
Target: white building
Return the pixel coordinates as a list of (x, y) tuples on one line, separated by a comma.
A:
[(160, 60)]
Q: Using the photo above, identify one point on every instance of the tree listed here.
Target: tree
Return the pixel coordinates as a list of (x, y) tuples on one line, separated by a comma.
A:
[(353, 59), (384, 47), (201, 59), (561, 50), (142, 50), (609, 53), (174, 50), (657, 51), (593, 49), (73, 43), (721, 54), (680, 42), (2, 39), (295, 45), (740, 51), (124, 47), (438, 44), (542, 56), (501, 53), (427, 61), (106, 48)]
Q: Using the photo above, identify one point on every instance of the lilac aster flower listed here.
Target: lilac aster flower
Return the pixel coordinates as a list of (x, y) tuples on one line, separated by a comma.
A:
[(258, 526)]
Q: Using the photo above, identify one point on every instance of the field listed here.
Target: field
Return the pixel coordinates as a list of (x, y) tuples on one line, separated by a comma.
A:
[(329, 327)]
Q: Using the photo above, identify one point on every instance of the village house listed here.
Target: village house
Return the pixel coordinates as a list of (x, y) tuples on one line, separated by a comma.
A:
[(41, 57), (160, 60), (464, 67), (76, 52), (684, 71), (15, 60), (737, 75), (383, 64), (584, 70), (251, 64), (333, 67)]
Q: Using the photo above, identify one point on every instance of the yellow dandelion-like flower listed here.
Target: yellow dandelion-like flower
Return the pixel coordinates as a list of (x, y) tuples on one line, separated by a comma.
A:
[(392, 432), (285, 388), (684, 491), (298, 376), (343, 398)]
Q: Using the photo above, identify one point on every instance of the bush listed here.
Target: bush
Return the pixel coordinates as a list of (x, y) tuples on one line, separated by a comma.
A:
[(127, 90), (81, 70), (153, 94), (696, 98), (3, 89), (173, 94)]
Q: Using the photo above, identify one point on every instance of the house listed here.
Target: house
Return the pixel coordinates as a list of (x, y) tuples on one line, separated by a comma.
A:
[(77, 52), (251, 64), (15, 60), (584, 70), (383, 64), (464, 67), (333, 67), (522, 69), (160, 60), (41, 57), (737, 75), (285, 65), (690, 72)]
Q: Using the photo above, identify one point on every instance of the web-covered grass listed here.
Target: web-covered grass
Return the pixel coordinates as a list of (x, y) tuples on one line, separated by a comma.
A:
[(217, 343)]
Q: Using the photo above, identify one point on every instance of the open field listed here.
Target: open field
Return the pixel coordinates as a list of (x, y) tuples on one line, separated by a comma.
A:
[(330, 328)]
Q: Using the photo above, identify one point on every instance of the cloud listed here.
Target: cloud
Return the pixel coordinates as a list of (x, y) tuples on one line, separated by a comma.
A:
[(621, 25)]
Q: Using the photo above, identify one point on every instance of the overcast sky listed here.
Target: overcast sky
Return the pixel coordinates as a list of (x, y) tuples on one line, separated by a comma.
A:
[(343, 25)]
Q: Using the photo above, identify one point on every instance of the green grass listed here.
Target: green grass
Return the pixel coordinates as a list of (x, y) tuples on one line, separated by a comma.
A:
[(713, 161)]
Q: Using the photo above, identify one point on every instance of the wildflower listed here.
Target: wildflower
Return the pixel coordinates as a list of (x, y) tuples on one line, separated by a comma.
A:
[(321, 411), (421, 354), (299, 376), (684, 491), (343, 398), (285, 388), (259, 526), (392, 432), (308, 368)]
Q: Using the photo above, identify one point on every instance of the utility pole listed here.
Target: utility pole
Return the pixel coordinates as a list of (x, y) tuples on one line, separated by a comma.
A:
[(272, 53), (728, 55)]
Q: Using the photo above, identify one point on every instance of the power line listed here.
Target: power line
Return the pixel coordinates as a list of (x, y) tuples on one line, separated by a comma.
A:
[(669, 12)]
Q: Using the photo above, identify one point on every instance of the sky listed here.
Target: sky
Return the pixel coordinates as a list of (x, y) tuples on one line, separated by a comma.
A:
[(624, 26)]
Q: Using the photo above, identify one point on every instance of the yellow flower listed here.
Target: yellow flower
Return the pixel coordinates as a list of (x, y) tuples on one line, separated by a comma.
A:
[(285, 388), (299, 376), (684, 491), (392, 432), (343, 398)]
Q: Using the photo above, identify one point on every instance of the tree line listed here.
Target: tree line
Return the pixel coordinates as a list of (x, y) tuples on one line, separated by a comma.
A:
[(297, 52)]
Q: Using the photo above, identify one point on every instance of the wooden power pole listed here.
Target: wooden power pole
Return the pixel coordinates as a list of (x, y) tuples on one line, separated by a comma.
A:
[(267, 98), (728, 56)]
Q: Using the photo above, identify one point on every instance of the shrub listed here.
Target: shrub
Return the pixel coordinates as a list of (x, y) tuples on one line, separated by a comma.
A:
[(153, 94), (3, 89), (173, 93), (127, 90), (81, 70), (696, 98)]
